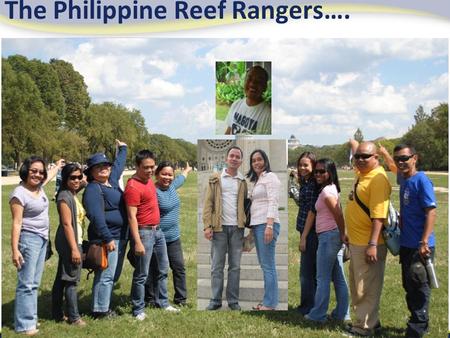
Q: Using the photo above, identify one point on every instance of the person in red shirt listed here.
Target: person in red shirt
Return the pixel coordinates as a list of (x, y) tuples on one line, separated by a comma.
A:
[(146, 235)]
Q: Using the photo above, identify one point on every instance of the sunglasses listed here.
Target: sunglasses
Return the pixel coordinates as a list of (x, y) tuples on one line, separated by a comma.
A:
[(75, 177), (362, 156), (319, 171), (37, 171), (402, 158)]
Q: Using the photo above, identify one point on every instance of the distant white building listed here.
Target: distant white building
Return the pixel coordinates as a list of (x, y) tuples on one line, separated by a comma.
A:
[(293, 142)]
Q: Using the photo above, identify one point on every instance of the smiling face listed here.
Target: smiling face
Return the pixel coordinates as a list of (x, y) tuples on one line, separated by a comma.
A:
[(101, 172), (234, 159), (366, 157), (321, 174), (405, 161), (165, 177), (255, 85), (74, 180), (258, 164), (35, 174), (305, 167), (145, 169)]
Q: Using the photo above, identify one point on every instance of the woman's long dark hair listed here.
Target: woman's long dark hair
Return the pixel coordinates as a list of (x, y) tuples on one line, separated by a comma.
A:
[(68, 169), (310, 156), (251, 173), (330, 167)]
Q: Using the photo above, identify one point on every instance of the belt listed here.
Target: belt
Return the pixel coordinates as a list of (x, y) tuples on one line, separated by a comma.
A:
[(149, 226)]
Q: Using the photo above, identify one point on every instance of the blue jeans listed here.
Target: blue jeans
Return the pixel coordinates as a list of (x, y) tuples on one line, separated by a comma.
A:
[(104, 279), (266, 259), (153, 240), (176, 262), (330, 268), (33, 248), (308, 273), (229, 240)]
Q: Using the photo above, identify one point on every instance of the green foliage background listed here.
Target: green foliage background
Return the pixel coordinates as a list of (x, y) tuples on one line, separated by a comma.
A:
[(47, 111)]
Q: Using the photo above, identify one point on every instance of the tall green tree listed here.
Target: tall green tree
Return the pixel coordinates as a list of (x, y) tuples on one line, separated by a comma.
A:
[(28, 127), (76, 96)]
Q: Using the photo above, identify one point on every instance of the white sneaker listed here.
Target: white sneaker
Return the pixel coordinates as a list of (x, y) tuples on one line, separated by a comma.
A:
[(170, 308), (141, 316)]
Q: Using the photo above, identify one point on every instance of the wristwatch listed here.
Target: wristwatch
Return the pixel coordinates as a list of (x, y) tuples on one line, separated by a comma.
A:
[(270, 226)]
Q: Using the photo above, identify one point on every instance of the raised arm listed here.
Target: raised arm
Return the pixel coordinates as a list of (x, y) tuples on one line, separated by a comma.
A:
[(51, 173)]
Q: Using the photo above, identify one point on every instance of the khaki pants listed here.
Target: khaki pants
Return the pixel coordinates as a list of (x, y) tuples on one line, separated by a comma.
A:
[(366, 283)]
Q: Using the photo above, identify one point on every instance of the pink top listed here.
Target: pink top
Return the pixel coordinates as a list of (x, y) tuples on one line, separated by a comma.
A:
[(324, 217), (265, 197)]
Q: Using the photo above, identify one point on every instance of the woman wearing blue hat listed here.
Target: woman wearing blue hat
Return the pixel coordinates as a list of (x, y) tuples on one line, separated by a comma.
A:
[(105, 209)]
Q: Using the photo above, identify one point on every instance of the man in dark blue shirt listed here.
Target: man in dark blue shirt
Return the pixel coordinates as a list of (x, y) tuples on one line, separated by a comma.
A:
[(418, 215)]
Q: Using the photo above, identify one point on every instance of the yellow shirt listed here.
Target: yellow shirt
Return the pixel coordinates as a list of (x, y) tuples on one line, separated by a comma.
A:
[(81, 214), (373, 190)]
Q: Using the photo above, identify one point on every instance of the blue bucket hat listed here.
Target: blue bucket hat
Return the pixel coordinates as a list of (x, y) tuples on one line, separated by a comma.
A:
[(93, 160)]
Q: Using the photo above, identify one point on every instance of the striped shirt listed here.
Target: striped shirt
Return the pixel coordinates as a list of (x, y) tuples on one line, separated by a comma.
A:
[(169, 209)]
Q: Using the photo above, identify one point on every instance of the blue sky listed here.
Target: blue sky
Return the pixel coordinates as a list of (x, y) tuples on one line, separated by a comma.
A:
[(322, 89)]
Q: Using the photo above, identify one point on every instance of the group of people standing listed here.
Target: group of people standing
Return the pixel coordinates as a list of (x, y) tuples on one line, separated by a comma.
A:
[(145, 213), (224, 219), (323, 232)]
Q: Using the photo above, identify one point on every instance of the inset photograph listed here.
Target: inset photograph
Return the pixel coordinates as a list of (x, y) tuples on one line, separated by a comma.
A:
[(243, 98), (242, 225)]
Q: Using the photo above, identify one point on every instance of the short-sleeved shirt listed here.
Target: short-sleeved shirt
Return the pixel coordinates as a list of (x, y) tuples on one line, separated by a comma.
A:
[(143, 196), (324, 218), (169, 209), (374, 191), (416, 194), (245, 119), (35, 210)]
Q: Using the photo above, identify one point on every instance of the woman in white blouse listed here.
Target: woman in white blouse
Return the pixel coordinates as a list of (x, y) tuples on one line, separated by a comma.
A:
[(265, 223)]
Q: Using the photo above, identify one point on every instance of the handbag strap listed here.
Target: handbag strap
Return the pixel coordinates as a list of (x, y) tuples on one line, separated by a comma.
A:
[(360, 203)]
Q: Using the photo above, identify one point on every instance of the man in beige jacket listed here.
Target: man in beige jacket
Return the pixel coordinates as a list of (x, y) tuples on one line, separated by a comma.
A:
[(224, 219)]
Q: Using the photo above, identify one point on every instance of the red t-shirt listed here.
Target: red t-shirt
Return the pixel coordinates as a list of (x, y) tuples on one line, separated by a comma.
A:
[(143, 196)]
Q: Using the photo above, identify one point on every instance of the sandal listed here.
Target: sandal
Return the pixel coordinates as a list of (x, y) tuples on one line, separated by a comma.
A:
[(261, 307), (257, 307)]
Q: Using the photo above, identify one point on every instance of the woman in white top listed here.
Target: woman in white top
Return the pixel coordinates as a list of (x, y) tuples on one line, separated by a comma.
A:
[(265, 223), (29, 238)]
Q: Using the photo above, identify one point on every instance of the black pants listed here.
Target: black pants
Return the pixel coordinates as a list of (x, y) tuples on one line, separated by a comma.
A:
[(418, 291), (68, 289), (176, 263)]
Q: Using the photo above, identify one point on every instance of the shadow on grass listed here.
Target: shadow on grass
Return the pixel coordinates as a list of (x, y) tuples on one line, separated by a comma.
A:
[(292, 318), (119, 302)]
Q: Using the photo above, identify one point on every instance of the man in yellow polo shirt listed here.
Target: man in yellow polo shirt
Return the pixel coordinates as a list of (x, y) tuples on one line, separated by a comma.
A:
[(367, 249)]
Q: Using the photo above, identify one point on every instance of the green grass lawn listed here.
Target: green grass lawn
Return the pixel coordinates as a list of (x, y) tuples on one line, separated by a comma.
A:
[(221, 111), (193, 323)]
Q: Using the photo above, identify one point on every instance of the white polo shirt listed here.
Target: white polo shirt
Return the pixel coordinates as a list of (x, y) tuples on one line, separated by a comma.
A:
[(230, 187)]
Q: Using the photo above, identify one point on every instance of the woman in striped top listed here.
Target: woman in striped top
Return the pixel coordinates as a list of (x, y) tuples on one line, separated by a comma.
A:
[(169, 209)]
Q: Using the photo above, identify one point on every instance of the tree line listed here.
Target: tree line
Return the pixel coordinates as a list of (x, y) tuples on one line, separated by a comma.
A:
[(47, 111), (428, 134)]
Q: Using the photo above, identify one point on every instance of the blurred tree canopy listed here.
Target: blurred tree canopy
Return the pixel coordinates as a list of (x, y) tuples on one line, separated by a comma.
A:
[(429, 136), (47, 111)]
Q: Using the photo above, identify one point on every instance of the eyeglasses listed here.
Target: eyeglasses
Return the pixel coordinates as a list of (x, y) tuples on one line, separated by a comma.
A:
[(319, 171), (362, 156), (75, 177), (402, 158), (36, 171)]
